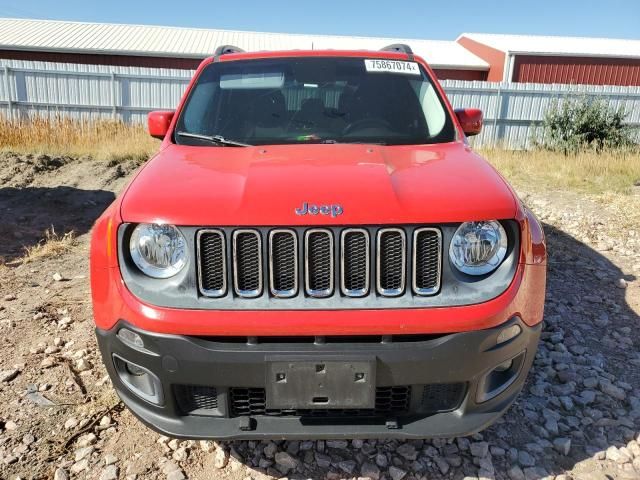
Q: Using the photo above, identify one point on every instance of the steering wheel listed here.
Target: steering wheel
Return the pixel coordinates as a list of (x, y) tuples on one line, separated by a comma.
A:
[(366, 123)]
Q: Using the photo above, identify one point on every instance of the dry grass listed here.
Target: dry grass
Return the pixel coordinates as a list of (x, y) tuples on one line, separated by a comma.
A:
[(589, 172), (104, 140), (51, 245)]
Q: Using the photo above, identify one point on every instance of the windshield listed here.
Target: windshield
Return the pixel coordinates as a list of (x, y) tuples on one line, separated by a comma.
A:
[(314, 100)]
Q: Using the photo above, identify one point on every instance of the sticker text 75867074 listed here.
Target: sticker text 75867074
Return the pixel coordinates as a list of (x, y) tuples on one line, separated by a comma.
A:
[(392, 66)]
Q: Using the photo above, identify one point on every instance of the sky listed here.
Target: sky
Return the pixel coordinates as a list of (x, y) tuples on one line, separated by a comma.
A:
[(425, 19)]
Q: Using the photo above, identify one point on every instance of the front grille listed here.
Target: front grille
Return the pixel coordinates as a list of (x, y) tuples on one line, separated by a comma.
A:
[(247, 265), (392, 261), (309, 262), (252, 401), (213, 273), (427, 246), (319, 267), (283, 263), (355, 262), (196, 399)]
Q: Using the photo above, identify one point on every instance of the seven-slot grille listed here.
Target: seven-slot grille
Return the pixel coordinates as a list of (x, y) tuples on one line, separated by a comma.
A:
[(319, 262)]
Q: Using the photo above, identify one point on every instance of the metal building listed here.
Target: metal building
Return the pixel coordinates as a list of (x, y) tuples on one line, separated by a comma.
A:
[(565, 60), (184, 48)]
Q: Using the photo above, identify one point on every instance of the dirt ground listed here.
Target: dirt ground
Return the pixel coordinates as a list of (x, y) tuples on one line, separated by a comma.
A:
[(578, 416)]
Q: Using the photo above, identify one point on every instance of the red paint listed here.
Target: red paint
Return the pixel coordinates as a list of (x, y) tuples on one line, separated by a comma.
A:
[(470, 120), (576, 70), (375, 185), (495, 58), (158, 122)]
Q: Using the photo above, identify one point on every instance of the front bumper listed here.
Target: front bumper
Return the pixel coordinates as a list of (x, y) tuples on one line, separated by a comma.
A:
[(199, 365)]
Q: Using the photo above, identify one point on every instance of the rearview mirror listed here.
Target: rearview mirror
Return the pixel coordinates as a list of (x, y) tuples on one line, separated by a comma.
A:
[(158, 122), (470, 120)]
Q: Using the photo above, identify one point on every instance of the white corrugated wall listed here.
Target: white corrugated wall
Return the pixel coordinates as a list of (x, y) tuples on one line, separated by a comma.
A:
[(511, 110)]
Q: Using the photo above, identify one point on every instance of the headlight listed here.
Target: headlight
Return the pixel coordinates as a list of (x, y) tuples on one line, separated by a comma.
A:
[(478, 248), (158, 250)]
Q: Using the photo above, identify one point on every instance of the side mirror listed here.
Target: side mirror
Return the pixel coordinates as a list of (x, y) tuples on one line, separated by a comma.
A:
[(159, 122), (470, 120)]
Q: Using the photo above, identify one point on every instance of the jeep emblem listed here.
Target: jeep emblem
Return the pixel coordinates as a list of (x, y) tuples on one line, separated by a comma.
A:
[(309, 208)]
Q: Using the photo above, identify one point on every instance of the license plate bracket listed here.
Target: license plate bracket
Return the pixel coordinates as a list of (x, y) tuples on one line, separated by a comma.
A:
[(320, 383)]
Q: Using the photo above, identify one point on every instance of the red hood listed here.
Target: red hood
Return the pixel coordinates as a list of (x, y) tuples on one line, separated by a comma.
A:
[(264, 185)]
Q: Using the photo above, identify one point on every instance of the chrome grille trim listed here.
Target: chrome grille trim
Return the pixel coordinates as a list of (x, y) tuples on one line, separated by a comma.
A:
[(307, 268), (208, 292), (362, 292), (390, 292), (432, 290), (272, 287), (246, 293)]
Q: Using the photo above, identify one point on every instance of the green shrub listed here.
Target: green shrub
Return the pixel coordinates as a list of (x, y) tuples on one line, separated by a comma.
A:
[(585, 124)]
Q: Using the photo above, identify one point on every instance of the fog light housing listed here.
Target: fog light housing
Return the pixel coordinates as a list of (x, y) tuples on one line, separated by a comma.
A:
[(501, 377), (139, 380)]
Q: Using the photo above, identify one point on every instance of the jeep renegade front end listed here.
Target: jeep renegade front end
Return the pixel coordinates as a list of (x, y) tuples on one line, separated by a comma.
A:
[(316, 252)]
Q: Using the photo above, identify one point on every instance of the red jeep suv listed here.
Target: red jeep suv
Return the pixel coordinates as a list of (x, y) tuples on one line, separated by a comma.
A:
[(316, 252)]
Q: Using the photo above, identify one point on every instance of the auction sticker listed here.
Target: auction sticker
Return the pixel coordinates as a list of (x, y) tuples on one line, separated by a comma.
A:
[(393, 66)]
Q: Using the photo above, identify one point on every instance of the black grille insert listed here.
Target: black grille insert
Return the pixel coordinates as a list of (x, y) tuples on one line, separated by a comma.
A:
[(319, 256), (213, 272), (392, 261), (442, 397), (193, 399), (283, 253), (355, 262), (252, 401), (247, 251), (426, 261)]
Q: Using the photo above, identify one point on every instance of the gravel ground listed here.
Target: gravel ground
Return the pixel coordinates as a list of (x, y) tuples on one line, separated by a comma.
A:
[(578, 416)]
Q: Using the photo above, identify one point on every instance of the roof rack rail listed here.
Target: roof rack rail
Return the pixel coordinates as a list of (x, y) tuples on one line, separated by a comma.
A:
[(398, 47), (225, 49)]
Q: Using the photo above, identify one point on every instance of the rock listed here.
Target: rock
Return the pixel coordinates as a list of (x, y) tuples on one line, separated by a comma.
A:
[(285, 462), (83, 452), (479, 449), (381, 460), (562, 445), (270, 450), (616, 455), (169, 467), (347, 466), (58, 277), (9, 297), (516, 473), (60, 474), (10, 425), (28, 439), (322, 460), (369, 470), (339, 444), (221, 458), (86, 440), (110, 473), (442, 464), (110, 459), (80, 466), (71, 423), (82, 365), (48, 362), (621, 283), (180, 454), (610, 389), (7, 375), (525, 459), (407, 451), (176, 475), (396, 473)]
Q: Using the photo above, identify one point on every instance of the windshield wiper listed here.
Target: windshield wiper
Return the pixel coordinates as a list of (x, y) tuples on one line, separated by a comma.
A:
[(216, 139)]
